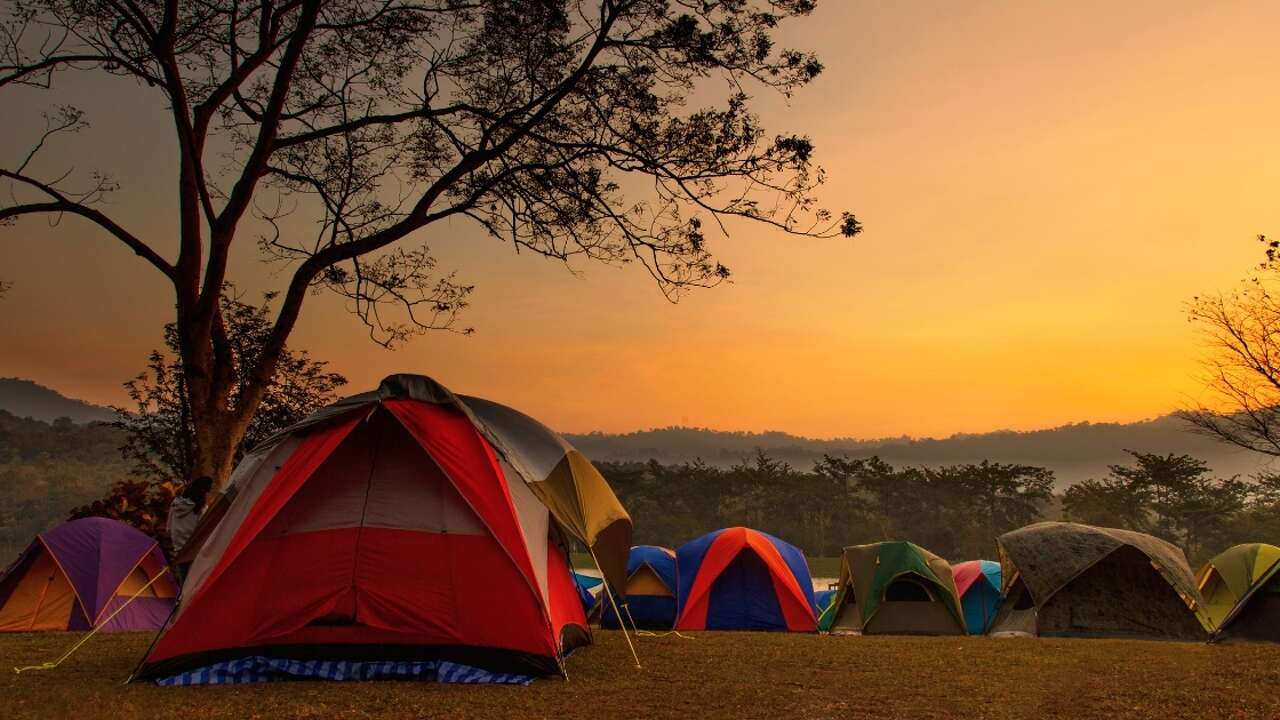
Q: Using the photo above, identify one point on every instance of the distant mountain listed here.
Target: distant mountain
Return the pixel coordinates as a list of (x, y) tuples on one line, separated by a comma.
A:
[(24, 398), (1074, 452)]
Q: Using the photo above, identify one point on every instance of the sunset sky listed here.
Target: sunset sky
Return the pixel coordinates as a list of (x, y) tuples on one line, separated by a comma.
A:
[(1044, 186)]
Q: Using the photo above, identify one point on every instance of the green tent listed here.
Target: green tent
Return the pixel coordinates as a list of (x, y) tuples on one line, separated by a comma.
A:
[(1241, 589), (894, 588), (1068, 579)]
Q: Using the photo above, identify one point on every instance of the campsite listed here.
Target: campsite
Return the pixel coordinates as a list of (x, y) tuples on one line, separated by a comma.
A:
[(639, 358), (410, 534)]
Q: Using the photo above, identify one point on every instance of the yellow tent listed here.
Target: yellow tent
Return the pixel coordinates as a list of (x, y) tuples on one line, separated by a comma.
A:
[(1235, 578)]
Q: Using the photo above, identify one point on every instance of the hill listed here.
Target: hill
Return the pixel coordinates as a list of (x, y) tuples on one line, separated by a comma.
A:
[(28, 399), (1074, 452), (46, 470)]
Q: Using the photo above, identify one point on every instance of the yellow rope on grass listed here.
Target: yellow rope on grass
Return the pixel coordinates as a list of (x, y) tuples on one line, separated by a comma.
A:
[(677, 633), (96, 628), (650, 633)]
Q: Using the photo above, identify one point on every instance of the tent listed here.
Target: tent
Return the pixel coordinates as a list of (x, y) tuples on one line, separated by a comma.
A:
[(589, 583), (978, 584), (559, 476), (896, 588), (79, 574), (397, 533), (743, 579), (588, 586), (1241, 590), (822, 600), (1067, 579), (649, 595)]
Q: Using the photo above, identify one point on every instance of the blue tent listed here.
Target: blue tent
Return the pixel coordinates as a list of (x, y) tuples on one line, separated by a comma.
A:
[(978, 583), (650, 596), (584, 584)]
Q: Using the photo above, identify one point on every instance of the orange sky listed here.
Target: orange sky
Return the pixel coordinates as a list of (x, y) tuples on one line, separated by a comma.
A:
[(1043, 185)]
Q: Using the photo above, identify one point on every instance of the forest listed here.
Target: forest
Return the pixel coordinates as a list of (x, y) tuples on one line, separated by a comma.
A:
[(49, 470), (956, 511)]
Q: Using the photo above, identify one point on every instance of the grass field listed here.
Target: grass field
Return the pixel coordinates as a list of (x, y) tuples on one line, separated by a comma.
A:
[(738, 675)]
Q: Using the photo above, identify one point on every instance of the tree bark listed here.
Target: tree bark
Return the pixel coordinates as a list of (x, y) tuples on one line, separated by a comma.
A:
[(223, 398), (216, 441)]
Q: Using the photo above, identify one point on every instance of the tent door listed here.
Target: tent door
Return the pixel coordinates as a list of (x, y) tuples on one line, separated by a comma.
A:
[(743, 597)]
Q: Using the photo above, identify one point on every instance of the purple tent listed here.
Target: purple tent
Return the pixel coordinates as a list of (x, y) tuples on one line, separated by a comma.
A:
[(75, 576)]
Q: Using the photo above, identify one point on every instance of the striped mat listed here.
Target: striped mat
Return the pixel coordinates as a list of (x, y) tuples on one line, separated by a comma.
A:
[(258, 668)]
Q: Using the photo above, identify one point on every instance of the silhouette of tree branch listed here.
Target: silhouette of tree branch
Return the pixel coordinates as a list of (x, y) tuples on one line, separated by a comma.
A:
[(1242, 330), (563, 127)]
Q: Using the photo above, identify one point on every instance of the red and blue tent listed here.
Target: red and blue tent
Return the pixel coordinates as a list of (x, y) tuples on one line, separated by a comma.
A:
[(978, 584), (649, 597), (76, 576), (743, 579)]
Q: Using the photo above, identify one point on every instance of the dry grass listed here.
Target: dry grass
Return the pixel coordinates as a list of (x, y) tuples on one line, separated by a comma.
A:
[(738, 675)]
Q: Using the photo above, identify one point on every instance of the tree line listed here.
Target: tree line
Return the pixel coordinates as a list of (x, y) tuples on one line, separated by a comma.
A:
[(956, 511), (49, 472)]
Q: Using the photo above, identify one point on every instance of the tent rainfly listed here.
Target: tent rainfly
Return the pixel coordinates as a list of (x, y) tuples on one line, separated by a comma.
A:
[(894, 588), (649, 598), (743, 579), (407, 532), (1241, 589), (978, 582), (76, 577), (1067, 579)]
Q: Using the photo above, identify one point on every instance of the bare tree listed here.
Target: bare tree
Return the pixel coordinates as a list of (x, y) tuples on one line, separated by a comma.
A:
[(560, 126), (1243, 370)]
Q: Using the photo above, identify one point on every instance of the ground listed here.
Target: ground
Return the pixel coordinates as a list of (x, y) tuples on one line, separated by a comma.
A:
[(732, 675)]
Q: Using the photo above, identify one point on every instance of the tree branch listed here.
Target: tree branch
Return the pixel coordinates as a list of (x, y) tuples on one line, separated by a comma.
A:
[(65, 206)]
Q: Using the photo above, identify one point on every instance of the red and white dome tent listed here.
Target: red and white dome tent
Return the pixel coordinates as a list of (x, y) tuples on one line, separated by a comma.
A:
[(406, 526)]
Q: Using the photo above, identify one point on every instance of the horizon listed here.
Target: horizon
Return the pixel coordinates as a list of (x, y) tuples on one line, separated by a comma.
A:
[(702, 428), (1033, 232)]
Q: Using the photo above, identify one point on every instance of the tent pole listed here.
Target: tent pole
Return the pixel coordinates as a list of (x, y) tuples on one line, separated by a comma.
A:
[(636, 628), (142, 660), (614, 603)]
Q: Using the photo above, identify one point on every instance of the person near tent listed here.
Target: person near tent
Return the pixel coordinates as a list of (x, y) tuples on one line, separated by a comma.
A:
[(184, 516)]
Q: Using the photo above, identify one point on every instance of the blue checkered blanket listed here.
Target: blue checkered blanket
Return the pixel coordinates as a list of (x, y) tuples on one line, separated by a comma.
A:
[(258, 668)]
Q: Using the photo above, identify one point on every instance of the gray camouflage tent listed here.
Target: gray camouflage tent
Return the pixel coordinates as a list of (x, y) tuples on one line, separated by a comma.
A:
[(1067, 579)]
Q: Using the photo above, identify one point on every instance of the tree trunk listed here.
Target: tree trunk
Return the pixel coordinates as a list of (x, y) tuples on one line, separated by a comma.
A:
[(218, 419), (215, 450)]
